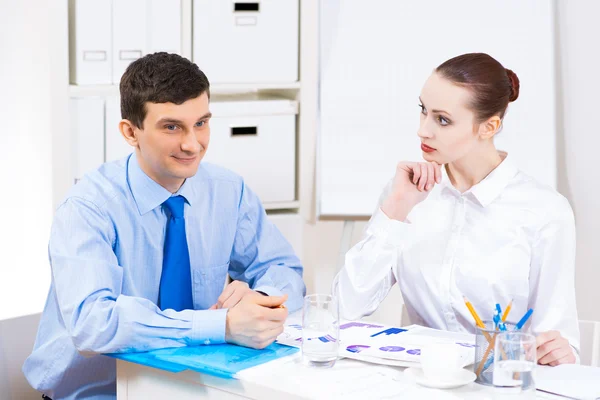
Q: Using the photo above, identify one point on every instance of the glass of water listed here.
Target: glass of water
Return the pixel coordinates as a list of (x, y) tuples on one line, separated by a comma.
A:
[(320, 330), (515, 359)]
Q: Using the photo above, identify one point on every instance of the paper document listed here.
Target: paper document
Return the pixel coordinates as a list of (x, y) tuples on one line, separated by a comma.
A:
[(348, 380), (576, 381), (382, 344)]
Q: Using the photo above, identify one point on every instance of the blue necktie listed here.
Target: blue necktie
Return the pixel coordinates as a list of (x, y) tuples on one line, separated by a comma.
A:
[(175, 282)]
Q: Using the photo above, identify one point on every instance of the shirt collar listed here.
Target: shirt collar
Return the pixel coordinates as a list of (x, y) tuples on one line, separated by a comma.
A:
[(492, 185), (147, 193)]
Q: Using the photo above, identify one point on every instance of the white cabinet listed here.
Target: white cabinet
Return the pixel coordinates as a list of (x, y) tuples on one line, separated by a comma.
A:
[(142, 27), (242, 46), (256, 138), (130, 27), (164, 26), (106, 36), (87, 134), (90, 42), (246, 41)]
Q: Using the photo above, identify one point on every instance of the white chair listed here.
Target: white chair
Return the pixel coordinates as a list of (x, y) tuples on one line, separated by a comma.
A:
[(590, 343)]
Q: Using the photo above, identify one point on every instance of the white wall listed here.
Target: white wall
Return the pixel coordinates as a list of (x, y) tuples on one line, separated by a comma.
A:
[(579, 139), (33, 65), (26, 109)]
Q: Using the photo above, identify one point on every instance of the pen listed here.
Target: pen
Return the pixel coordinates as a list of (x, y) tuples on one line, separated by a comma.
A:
[(524, 319)]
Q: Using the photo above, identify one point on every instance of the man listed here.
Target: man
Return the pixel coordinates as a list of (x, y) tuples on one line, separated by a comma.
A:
[(141, 248)]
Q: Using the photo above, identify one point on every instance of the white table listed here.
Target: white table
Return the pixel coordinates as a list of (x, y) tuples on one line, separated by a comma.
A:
[(288, 378)]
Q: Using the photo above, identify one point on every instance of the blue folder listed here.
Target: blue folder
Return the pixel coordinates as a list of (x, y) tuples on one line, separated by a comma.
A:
[(222, 360)]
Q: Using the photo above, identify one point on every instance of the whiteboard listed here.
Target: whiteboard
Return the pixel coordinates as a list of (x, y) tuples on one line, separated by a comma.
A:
[(376, 55)]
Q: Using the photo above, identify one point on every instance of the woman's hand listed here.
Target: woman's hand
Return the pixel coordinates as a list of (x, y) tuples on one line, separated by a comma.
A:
[(412, 184), (553, 349)]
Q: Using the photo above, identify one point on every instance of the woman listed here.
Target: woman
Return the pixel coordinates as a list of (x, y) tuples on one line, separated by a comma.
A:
[(467, 223)]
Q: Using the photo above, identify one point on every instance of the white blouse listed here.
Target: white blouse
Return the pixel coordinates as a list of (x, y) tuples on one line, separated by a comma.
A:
[(508, 237)]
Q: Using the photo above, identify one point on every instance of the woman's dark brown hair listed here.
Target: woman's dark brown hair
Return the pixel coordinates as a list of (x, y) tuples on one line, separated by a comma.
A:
[(492, 85)]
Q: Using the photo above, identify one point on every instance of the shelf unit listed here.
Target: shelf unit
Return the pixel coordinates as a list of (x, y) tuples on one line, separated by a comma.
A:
[(304, 91), (113, 90)]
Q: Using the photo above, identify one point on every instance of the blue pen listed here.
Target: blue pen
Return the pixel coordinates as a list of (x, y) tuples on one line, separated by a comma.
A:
[(498, 324), (498, 309), (497, 320), (488, 362), (524, 319), (497, 314)]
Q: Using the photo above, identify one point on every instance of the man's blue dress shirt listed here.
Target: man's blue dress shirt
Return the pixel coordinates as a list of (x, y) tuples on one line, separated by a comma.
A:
[(106, 253)]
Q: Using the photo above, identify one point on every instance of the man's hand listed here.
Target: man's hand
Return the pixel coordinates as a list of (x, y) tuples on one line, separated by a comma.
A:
[(553, 349), (233, 294), (256, 321)]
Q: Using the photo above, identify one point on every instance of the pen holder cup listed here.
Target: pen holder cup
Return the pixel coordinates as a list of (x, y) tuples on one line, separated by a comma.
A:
[(485, 340)]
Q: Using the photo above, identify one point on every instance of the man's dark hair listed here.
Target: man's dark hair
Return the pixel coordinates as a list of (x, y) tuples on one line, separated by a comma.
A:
[(159, 78)]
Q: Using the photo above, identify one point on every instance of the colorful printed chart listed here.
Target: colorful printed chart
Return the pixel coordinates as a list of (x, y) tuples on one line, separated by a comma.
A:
[(383, 344)]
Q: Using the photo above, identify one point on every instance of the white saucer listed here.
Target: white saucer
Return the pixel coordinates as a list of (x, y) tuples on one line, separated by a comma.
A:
[(465, 377)]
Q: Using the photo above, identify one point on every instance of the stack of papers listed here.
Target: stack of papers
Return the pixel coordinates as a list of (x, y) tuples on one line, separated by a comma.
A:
[(348, 380), (569, 380), (388, 345)]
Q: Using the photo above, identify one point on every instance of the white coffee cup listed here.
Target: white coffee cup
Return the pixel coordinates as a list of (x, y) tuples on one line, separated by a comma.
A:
[(442, 362)]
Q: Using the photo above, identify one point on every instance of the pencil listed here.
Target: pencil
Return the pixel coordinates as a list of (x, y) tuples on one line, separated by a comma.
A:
[(478, 320), (506, 311)]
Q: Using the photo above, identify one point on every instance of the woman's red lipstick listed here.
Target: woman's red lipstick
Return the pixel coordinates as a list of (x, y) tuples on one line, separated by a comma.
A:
[(426, 148)]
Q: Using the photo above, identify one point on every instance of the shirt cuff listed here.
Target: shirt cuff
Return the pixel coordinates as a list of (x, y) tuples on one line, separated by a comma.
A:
[(208, 327), (392, 231), (269, 290)]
